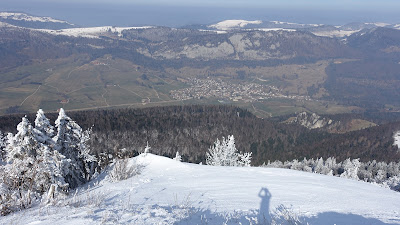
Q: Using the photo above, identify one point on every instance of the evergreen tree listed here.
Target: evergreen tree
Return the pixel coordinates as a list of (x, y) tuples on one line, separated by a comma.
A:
[(3, 144), (351, 168), (44, 130), (23, 144), (37, 164), (71, 142)]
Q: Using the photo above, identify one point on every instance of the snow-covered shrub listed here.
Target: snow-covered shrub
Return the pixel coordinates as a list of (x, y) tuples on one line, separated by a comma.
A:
[(225, 154), (121, 170), (393, 183), (178, 157), (283, 215)]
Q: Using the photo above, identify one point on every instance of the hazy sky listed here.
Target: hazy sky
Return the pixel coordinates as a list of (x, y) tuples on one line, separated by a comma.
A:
[(366, 4), (183, 12)]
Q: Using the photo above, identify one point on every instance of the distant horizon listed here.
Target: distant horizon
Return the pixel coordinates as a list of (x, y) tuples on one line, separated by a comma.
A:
[(105, 14)]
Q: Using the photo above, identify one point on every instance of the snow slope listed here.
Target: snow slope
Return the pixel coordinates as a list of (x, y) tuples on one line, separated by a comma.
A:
[(168, 191), (26, 17), (335, 33), (231, 24), (90, 32)]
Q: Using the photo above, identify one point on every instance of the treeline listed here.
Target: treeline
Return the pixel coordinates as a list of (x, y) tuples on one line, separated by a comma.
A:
[(191, 130), (384, 174)]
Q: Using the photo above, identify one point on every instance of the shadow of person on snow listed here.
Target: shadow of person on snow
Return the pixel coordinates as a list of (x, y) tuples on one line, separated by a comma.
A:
[(264, 216)]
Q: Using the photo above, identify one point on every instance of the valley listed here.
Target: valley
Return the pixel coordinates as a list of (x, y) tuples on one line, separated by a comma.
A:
[(269, 72)]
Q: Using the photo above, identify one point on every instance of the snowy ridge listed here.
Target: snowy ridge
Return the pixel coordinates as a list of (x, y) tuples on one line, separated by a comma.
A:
[(168, 191), (317, 29), (297, 24), (379, 24), (273, 29), (232, 24), (335, 33), (90, 32), (26, 17), (2, 24)]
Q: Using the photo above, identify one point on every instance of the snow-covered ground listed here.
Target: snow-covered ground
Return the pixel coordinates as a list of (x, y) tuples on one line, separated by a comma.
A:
[(335, 33), (297, 24), (273, 29), (231, 24), (90, 32), (167, 191), (26, 17)]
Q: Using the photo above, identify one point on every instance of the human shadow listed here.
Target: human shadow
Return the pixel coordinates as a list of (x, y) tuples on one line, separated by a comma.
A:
[(264, 215)]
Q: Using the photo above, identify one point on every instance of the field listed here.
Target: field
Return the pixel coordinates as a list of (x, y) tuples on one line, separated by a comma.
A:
[(80, 82)]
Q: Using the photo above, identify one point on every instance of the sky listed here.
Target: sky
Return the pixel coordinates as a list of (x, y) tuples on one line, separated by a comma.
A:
[(184, 12), (317, 4)]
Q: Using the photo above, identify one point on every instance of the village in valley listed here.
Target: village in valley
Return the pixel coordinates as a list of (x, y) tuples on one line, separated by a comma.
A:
[(218, 88)]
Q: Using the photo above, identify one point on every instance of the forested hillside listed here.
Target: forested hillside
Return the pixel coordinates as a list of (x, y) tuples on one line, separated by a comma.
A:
[(191, 130)]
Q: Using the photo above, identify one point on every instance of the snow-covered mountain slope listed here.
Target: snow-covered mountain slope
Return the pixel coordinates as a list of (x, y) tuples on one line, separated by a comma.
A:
[(232, 24), (30, 21), (167, 191), (26, 17), (90, 32), (316, 29)]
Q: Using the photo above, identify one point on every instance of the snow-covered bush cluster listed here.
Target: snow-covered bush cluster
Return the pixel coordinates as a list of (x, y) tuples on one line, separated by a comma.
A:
[(382, 173), (40, 160), (121, 170), (224, 153)]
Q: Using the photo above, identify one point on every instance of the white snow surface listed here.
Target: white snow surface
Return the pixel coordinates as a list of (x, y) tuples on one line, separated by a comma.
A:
[(273, 29), (2, 24), (231, 24), (90, 32), (298, 24), (335, 33), (26, 17), (167, 191), (379, 24)]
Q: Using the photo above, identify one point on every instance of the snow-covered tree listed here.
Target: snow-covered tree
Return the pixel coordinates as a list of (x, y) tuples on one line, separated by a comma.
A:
[(71, 142), (147, 149), (49, 170), (3, 144), (44, 130), (18, 176), (225, 154), (23, 144), (351, 169), (37, 164), (178, 157)]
